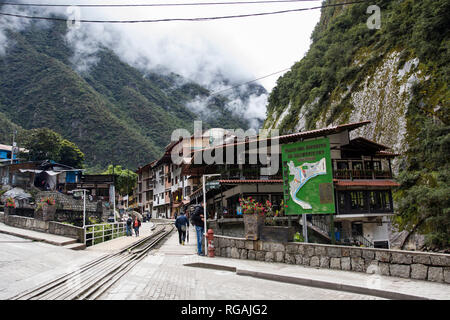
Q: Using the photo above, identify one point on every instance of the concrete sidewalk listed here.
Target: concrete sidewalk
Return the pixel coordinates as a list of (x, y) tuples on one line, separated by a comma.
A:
[(39, 236), (355, 282)]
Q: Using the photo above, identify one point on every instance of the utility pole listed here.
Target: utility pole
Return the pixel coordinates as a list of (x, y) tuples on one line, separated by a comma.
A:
[(13, 145)]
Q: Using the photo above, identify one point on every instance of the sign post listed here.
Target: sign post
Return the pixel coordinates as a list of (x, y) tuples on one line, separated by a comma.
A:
[(308, 179)]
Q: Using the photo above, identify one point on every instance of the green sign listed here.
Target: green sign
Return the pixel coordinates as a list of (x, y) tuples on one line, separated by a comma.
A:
[(307, 177)]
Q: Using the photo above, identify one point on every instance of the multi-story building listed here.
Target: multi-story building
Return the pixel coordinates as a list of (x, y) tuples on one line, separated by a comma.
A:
[(361, 186)]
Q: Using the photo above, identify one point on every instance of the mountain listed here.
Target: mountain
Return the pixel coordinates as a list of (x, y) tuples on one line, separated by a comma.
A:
[(114, 112), (397, 76), (390, 75)]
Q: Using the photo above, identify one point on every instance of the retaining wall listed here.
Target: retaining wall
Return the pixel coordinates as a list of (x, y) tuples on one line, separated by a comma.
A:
[(398, 263), (51, 227)]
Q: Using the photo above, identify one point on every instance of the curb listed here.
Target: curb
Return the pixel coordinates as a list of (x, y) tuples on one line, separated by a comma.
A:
[(311, 282), (60, 244)]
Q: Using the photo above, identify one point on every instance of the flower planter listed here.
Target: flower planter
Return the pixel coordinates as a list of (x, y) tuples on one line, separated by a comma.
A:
[(253, 224), (277, 233), (10, 211), (47, 213)]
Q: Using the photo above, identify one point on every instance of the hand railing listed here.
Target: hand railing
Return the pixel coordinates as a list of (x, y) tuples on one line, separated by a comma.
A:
[(98, 233)]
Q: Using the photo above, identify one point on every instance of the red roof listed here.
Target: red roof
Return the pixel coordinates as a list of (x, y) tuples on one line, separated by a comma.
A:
[(251, 181), (363, 183)]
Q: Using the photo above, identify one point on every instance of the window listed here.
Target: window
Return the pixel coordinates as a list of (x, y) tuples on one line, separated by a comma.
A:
[(357, 200), (342, 165)]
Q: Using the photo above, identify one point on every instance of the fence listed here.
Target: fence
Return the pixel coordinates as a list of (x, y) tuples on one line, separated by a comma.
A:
[(98, 233)]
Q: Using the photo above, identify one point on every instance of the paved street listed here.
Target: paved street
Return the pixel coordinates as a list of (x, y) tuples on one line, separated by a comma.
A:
[(162, 276)]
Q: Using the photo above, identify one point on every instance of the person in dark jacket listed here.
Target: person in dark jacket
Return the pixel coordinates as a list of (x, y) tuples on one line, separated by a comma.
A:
[(129, 223), (197, 220), (182, 223)]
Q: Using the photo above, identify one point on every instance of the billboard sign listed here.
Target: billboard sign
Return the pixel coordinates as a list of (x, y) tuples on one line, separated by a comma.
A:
[(307, 177)]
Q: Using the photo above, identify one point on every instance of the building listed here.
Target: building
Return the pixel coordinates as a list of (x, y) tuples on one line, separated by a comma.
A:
[(6, 152), (361, 184)]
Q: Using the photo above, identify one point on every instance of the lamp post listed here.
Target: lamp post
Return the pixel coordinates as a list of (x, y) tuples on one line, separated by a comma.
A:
[(84, 204), (204, 206)]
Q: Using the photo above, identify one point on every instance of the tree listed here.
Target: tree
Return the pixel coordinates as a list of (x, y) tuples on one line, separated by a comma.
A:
[(45, 144), (423, 201), (125, 179), (71, 155)]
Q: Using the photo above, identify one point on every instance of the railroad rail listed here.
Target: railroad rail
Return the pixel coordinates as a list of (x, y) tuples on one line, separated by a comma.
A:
[(91, 280)]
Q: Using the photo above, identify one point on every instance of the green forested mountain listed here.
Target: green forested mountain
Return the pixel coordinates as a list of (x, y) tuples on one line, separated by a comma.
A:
[(397, 76), (114, 113)]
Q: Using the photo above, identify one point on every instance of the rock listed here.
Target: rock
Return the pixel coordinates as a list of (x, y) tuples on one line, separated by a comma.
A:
[(335, 263), (251, 255), (301, 248), (400, 270), (240, 244), (306, 261), (269, 257), (368, 254), (315, 261), (277, 247), (401, 258), (345, 252), (235, 253), (298, 259), (436, 274), (382, 256), (357, 264), (355, 252), (324, 262), (249, 245), (309, 251), (334, 252), (243, 254), (279, 256), (320, 251), (440, 260), (384, 268), (260, 255), (419, 271), (447, 275), (289, 258), (345, 263), (422, 259), (292, 248)]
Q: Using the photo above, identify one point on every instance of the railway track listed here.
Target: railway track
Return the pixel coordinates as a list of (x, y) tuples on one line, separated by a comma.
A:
[(91, 280)]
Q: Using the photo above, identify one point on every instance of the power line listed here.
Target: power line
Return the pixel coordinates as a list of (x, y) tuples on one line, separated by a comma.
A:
[(154, 4), (238, 85), (184, 19)]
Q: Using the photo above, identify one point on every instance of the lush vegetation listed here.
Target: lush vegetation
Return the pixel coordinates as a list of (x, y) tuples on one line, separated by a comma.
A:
[(416, 28), (45, 144), (125, 179), (116, 114)]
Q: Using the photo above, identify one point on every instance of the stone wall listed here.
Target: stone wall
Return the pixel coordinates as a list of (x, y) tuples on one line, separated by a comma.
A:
[(51, 227), (397, 263)]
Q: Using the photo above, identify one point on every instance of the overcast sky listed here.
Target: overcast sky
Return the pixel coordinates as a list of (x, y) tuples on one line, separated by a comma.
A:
[(242, 49)]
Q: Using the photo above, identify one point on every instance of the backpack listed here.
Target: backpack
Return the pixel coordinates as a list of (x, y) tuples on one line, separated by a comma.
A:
[(183, 227), (136, 223)]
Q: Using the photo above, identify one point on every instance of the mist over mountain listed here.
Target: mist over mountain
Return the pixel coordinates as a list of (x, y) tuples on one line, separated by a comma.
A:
[(115, 106)]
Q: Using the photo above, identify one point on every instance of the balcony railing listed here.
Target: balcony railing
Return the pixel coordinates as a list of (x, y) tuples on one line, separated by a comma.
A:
[(346, 174)]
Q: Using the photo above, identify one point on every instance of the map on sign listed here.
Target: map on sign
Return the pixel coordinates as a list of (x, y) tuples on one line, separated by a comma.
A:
[(303, 174), (307, 177)]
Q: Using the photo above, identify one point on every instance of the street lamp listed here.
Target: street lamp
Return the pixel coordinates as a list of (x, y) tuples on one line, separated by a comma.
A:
[(84, 203), (204, 206)]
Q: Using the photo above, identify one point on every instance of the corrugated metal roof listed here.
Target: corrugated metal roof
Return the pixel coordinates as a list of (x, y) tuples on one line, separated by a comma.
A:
[(250, 181)]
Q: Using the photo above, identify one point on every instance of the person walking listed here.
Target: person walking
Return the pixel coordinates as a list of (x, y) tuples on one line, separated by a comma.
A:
[(129, 223), (197, 220), (182, 223), (136, 225)]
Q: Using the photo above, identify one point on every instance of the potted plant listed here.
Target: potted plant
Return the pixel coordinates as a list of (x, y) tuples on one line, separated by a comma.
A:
[(254, 214), (270, 231), (46, 209), (10, 206)]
